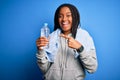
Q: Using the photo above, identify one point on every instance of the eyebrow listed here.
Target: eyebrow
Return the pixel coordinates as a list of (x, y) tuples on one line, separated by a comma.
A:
[(67, 13)]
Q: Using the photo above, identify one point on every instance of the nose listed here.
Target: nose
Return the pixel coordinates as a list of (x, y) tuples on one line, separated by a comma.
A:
[(64, 18)]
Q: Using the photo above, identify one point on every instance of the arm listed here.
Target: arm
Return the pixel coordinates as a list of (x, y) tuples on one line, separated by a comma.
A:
[(88, 55), (41, 54), (89, 60), (42, 61)]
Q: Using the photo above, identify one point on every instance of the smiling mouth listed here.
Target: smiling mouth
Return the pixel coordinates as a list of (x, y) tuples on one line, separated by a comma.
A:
[(65, 23)]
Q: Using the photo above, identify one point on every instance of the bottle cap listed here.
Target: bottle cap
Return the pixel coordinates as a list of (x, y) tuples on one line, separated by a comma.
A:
[(45, 24)]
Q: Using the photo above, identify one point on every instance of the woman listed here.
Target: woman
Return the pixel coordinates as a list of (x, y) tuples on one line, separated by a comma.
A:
[(71, 49)]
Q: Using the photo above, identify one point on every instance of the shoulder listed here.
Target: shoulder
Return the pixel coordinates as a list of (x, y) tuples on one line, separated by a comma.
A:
[(54, 35), (83, 32), (56, 32), (85, 38)]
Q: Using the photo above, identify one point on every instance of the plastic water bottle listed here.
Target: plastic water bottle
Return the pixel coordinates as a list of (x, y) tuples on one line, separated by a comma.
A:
[(45, 31)]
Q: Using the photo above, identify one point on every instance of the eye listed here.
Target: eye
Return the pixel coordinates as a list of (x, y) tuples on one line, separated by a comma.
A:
[(68, 15), (60, 16)]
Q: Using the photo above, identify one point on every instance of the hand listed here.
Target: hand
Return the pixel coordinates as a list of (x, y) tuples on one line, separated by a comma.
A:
[(41, 42), (72, 43)]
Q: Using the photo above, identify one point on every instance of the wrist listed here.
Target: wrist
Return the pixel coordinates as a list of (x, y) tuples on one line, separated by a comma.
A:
[(80, 49)]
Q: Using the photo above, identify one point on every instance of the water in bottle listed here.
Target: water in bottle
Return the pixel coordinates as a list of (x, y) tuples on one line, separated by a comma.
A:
[(45, 31)]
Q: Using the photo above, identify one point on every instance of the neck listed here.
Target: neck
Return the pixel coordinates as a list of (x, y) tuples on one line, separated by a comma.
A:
[(66, 33)]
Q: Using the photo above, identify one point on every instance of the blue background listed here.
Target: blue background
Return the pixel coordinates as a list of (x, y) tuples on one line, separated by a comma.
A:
[(20, 23)]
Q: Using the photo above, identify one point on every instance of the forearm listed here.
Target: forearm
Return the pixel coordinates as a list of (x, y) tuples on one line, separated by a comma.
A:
[(89, 60), (42, 61)]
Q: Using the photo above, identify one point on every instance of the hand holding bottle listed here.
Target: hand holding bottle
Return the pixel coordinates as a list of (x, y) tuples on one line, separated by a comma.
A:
[(42, 42)]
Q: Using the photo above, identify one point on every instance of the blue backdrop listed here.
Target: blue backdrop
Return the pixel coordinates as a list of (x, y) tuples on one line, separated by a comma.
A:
[(20, 23)]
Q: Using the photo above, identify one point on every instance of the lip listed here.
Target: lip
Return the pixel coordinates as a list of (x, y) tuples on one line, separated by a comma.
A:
[(65, 23)]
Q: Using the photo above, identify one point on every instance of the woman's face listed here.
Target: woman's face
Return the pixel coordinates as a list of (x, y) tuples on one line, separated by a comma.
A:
[(65, 20)]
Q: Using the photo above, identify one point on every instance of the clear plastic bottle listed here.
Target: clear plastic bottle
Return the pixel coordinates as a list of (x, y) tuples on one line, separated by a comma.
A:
[(45, 31)]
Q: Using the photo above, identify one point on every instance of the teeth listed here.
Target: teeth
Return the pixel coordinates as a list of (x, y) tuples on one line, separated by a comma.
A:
[(65, 23)]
